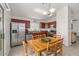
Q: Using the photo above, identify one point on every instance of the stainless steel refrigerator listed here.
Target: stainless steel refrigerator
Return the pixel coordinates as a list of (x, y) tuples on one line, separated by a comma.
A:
[(17, 33)]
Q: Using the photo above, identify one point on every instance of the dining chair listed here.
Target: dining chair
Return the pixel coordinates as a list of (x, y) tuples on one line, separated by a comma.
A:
[(42, 35), (36, 37), (59, 48), (25, 48), (50, 50), (57, 36)]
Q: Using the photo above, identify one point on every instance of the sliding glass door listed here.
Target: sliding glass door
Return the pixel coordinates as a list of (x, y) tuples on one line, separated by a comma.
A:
[(1, 32)]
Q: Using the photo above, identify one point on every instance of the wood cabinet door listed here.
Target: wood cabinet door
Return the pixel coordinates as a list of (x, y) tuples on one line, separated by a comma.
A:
[(27, 24), (48, 25), (42, 25), (54, 24)]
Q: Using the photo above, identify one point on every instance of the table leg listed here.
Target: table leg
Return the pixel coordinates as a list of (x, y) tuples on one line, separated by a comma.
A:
[(62, 51), (38, 53)]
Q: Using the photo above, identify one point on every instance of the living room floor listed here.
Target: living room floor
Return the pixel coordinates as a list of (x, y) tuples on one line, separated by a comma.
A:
[(72, 50), (68, 51)]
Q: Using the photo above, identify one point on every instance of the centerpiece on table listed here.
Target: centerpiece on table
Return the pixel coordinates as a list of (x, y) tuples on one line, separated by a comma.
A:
[(45, 40)]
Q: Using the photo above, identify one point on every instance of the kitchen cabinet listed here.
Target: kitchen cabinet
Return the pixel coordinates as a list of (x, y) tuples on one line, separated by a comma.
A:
[(47, 25), (52, 23), (27, 23), (42, 25)]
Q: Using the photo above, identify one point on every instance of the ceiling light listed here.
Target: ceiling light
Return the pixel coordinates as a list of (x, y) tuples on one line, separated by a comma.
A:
[(52, 10), (38, 10), (50, 15), (44, 13)]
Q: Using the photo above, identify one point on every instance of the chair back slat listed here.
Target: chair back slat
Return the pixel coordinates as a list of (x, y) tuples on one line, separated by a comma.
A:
[(57, 36), (59, 47), (42, 35), (36, 37), (24, 47)]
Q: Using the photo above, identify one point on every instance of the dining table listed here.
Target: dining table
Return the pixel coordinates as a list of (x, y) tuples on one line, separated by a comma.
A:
[(38, 45)]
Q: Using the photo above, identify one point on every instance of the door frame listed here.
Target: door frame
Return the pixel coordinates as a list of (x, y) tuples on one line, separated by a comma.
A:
[(3, 25)]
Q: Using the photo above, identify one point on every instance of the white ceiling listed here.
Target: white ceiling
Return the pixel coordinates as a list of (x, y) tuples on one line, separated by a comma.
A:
[(27, 9)]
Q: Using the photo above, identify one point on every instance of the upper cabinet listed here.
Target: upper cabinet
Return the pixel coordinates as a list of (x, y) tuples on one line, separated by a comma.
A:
[(42, 25), (52, 23), (48, 25), (27, 23)]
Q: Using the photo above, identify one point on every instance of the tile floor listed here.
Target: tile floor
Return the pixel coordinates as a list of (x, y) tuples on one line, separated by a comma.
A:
[(68, 51)]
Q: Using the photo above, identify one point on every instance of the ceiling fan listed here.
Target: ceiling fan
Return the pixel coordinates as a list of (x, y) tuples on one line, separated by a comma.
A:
[(50, 12)]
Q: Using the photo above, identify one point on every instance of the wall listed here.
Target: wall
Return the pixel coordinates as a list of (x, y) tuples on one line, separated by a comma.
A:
[(75, 16), (6, 32), (76, 27), (62, 25), (35, 26)]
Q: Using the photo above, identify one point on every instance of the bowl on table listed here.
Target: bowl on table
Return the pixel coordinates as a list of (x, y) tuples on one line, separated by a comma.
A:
[(46, 40)]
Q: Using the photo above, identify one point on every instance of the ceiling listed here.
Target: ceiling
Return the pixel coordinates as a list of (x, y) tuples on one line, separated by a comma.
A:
[(27, 9)]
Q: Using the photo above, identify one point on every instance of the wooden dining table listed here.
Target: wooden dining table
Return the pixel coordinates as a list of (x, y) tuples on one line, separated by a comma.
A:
[(38, 45)]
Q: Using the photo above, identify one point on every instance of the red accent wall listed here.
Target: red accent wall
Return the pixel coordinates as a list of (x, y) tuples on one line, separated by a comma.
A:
[(27, 23)]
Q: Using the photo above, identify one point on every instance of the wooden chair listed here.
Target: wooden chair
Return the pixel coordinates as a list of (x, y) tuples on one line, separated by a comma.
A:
[(59, 48), (28, 50), (57, 36), (36, 37), (25, 47), (50, 50), (42, 35), (54, 49)]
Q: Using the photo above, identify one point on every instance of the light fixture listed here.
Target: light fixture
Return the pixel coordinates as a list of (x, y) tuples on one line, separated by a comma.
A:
[(44, 13), (48, 12), (52, 10), (39, 10)]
